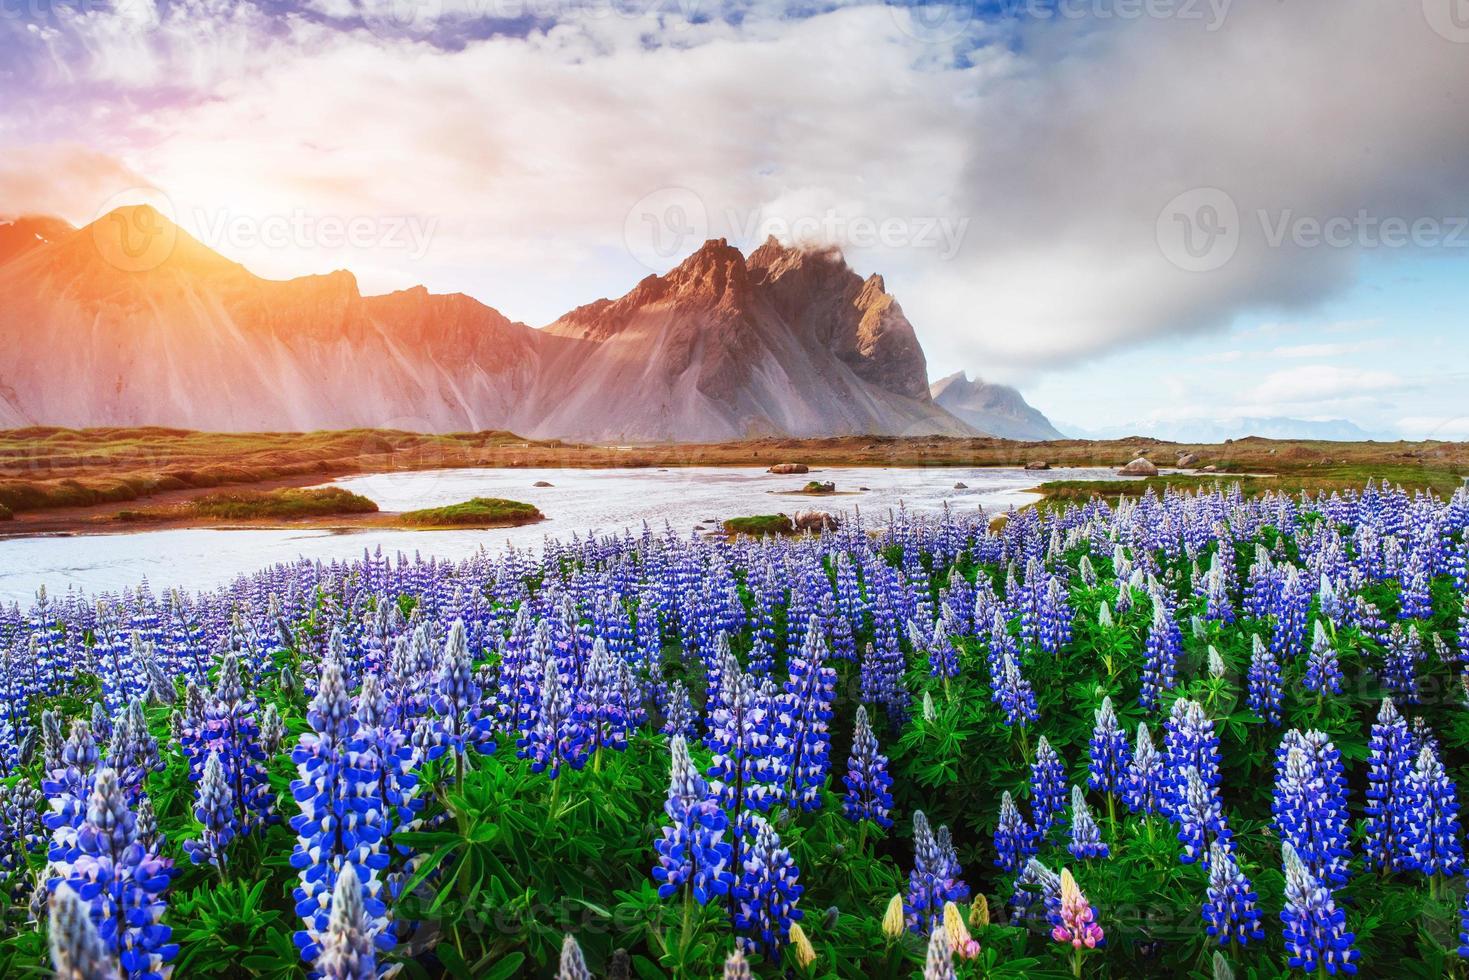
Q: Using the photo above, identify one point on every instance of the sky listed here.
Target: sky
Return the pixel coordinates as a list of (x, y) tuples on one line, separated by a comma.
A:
[(1131, 209)]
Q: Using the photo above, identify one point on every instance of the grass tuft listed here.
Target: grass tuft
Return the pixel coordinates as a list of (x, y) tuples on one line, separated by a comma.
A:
[(760, 525), (478, 512), (287, 503)]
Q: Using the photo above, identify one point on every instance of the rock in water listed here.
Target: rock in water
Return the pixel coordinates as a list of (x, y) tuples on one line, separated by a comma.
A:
[(961, 485), (1142, 466), (1037, 464), (786, 468), (814, 520), (542, 483)]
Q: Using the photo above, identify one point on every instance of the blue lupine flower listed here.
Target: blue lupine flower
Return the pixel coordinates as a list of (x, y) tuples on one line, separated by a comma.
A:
[(1160, 668), (1013, 692), (1047, 787), (943, 657), (1390, 762), (548, 743), (928, 881), (573, 964), (456, 700), (1110, 754), (1290, 608), (1323, 670), (122, 882), (1145, 787), (1310, 804), (1400, 662), (340, 822), (1189, 742), (740, 737), (1199, 813), (801, 723), (1086, 837), (347, 950), (1015, 841), (1315, 929), (767, 890), (949, 874), (1432, 831), (600, 718), (1264, 696), (1037, 891), (77, 951), (868, 782), (215, 813), (1230, 912), (692, 852)]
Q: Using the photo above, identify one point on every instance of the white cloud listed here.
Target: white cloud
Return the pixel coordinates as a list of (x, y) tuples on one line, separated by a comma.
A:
[(1321, 382)]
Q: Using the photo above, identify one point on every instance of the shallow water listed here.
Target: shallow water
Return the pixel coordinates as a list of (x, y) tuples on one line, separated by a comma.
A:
[(578, 501)]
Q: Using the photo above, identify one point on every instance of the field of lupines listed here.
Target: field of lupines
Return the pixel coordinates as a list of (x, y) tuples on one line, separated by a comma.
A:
[(1191, 735)]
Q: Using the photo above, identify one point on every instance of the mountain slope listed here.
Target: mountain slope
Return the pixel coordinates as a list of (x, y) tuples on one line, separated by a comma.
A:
[(130, 321), (996, 409), (99, 333)]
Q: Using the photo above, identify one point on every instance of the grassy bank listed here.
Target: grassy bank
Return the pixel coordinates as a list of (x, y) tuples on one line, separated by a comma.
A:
[(256, 505), (54, 469), (760, 525), (478, 512)]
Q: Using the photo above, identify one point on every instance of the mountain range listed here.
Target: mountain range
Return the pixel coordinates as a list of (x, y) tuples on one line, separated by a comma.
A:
[(1211, 430), (130, 321)]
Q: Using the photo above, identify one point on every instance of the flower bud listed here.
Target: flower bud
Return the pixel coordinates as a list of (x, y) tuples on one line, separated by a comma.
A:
[(805, 952), (979, 912), (892, 920)]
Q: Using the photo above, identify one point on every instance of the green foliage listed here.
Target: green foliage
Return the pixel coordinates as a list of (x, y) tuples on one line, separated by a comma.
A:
[(476, 512), (285, 504)]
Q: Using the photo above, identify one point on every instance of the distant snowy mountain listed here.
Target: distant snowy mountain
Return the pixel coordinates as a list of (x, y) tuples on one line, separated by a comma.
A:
[(998, 410), (1218, 430)]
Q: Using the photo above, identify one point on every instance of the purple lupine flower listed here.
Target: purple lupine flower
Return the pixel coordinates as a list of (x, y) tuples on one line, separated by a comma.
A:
[(868, 782), (1160, 669), (1230, 912), (547, 743), (1310, 804), (77, 951), (1013, 693), (1015, 841), (802, 720), (1390, 762), (1086, 837), (1323, 670), (122, 883), (339, 822), (1400, 662), (741, 770), (927, 885), (599, 719), (1264, 696), (1110, 754), (456, 699), (767, 890), (1145, 788), (1290, 608), (1316, 936), (1073, 922), (347, 950), (692, 852), (573, 964), (1432, 830), (1199, 813), (950, 875), (1047, 787), (943, 656), (215, 813), (1037, 891)]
